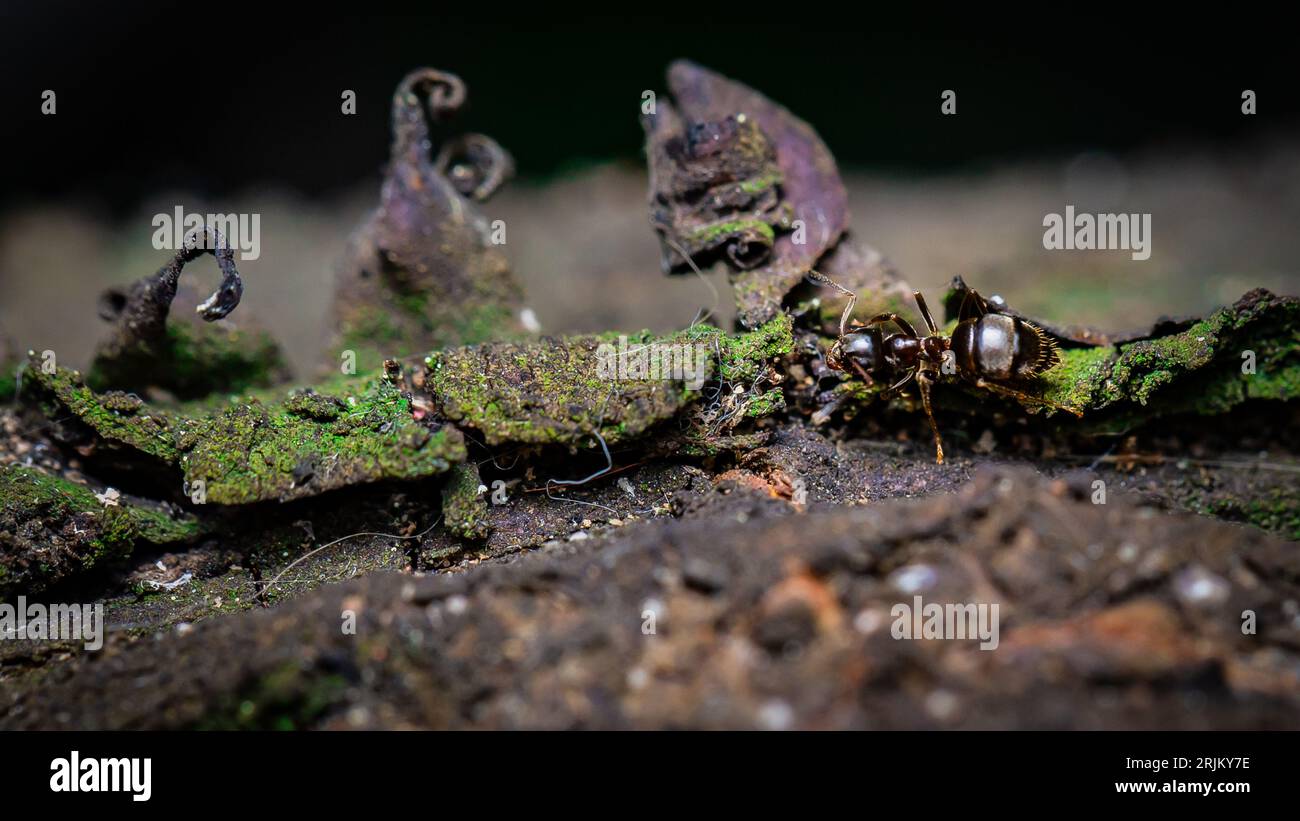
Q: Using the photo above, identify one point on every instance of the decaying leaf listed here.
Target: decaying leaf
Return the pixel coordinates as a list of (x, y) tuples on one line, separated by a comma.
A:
[(182, 356), (426, 269), (702, 200)]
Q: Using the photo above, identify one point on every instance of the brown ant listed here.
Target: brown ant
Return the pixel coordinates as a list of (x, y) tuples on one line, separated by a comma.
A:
[(990, 349)]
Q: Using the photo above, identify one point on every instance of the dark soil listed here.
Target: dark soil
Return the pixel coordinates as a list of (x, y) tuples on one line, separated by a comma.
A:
[(770, 580)]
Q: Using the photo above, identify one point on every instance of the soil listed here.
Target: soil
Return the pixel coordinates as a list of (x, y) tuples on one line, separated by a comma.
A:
[(769, 579)]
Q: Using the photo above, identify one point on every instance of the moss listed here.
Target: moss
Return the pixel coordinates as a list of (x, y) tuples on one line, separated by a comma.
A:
[(1279, 512), (1197, 370), (1276, 510), (369, 333), (149, 430), (51, 527), (192, 360), (759, 184), (309, 443), (464, 506), (766, 403), (1072, 382), (558, 390), (554, 390), (258, 447), (743, 355), (714, 233)]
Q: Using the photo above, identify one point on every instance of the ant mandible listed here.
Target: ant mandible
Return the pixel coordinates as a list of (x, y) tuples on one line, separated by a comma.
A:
[(989, 349)]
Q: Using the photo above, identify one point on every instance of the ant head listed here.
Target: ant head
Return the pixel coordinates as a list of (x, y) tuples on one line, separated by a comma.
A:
[(835, 356)]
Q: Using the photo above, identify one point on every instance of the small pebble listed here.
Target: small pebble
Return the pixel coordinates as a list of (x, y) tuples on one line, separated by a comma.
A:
[(868, 621), (942, 705), (1197, 586), (775, 715), (913, 578)]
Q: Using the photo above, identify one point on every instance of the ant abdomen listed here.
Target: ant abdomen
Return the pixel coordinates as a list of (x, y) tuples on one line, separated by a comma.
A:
[(1001, 348)]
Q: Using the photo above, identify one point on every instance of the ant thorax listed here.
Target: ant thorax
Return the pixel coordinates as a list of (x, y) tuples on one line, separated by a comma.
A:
[(934, 346)]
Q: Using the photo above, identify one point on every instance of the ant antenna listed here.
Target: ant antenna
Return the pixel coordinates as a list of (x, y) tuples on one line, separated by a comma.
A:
[(853, 298)]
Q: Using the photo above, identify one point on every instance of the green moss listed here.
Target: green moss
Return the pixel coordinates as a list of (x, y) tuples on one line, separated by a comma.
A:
[(30, 488), (149, 430), (194, 359), (375, 333), (554, 390), (257, 448), (557, 390), (1199, 370), (464, 507), (759, 184), (374, 326), (51, 527), (1072, 382), (1279, 512), (309, 443), (713, 233), (743, 355)]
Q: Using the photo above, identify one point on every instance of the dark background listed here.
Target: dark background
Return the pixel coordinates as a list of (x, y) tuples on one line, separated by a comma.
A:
[(215, 97)]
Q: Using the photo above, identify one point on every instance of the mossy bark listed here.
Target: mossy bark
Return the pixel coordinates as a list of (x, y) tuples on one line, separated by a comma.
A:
[(1250, 350), (270, 447), (52, 528)]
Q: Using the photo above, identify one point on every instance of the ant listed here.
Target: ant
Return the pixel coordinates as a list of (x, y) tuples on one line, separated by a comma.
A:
[(988, 348)]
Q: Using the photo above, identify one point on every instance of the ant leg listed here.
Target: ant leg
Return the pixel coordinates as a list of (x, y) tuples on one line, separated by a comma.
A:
[(866, 377), (853, 298), (1024, 397), (906, 326), (823, 414), (973, 306), (831, 401), (925, 312), (924, 382), (892, 389)]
